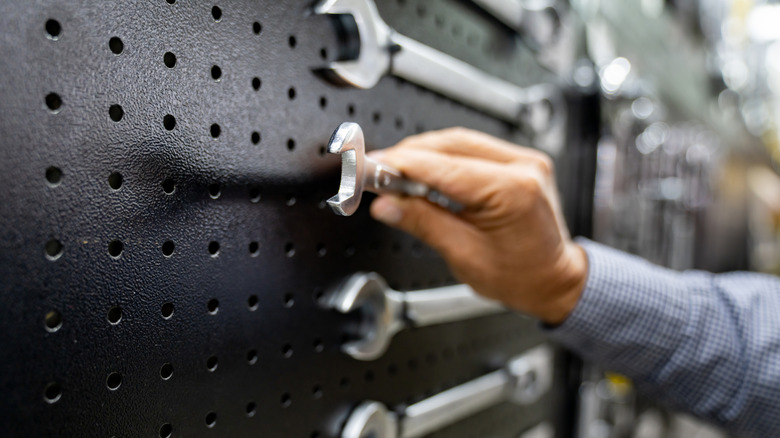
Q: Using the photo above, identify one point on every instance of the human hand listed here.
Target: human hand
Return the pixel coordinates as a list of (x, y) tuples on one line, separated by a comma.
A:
[(510, 243)]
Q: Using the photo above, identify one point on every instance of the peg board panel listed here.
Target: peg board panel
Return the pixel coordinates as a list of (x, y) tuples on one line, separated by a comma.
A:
[(164, 238)]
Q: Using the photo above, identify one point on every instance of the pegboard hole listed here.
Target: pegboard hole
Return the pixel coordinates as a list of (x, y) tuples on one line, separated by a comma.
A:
[(399, 123), (166, 430), (215, 130), (256, 83), (251, 357), (255, 137), (251, 409), (53, 249), (53, 176), (289, 249), (287, 351), (166, 371), (115, 248), (215, 190), (377, 117), (288, 300), (214, 248), (392, 370), (169, 59), (170, 2), (116, 45), (324, 53), (252, 302), (113, 381), (167, 310), (291, 93), (292, 41), (368, 376), (53, 321), (286, 400), (316, 392), (351, 109), (211, 419), (216, 72), (53, 29), (322, 151), (213, 306), (323, 102), (211, 363), (254, 194), (169, 122), (53, 102), (115, 180), (318, 345), (169, 186), (168, 248), (254, 249), (344, 383), (216, 13), (257, 27), (114, 315), (52, 392), (290, 144)]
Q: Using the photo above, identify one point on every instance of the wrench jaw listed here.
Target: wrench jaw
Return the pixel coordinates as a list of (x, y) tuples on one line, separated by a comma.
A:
[(380, 310), (348, 141), (371, 419), (373, 58), (531, 373)]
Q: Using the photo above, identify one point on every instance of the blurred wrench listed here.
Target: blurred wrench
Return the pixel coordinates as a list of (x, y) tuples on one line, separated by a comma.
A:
[(384, 311), (359, 173), (523, 380)]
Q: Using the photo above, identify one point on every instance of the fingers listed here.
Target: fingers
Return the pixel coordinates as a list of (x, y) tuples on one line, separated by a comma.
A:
[(469, 181), (469, 143), (435, 226)]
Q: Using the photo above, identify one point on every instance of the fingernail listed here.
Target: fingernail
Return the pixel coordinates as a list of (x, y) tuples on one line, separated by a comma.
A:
[(387, 211)]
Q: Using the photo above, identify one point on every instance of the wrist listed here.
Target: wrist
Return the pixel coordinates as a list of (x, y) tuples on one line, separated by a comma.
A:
[(570, 282)]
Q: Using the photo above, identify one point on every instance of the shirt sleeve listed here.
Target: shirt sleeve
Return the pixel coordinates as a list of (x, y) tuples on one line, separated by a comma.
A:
[(704, 343)]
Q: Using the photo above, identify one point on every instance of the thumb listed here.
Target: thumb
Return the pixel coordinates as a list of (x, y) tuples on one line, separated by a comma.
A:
[(435, 226)]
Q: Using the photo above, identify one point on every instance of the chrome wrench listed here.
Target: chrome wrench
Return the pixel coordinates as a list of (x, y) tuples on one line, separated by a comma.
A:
[(383, 51), (384, 311), (360, 173), (523, 380)]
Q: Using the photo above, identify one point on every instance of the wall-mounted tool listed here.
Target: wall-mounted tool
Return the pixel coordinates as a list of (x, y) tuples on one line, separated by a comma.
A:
[(523, 380), (383, 51), (539, 21), (384, 311), (359, 173)]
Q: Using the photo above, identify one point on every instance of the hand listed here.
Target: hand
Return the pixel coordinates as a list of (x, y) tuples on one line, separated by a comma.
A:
[(511, 242)]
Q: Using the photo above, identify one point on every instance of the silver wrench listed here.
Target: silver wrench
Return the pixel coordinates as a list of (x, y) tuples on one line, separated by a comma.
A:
[(384, 311), (523, 380), (359, 173), (384, 51)]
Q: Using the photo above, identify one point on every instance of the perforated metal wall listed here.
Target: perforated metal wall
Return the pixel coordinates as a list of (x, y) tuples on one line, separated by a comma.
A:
[(164, 240)]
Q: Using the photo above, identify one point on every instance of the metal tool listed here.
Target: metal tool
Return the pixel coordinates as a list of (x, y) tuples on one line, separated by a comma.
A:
[(384, 311), (540, 21), (359, 173), (523, 380), (383, 51)]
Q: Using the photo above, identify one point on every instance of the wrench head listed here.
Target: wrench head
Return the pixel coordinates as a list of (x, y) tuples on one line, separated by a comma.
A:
[(373, 59), (347, 140), (371, 419), (532, 374), (380, 310)]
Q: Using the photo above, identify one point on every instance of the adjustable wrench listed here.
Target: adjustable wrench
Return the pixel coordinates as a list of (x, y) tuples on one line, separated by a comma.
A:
[(384, 51), (541, 21), (384, 311), (359, 173), (523, 380)]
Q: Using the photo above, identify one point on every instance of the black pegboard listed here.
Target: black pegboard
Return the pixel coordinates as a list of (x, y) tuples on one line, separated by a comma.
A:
[(164, 238)]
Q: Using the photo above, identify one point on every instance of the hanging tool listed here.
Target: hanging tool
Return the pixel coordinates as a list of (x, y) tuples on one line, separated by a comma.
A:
[(384, 311)]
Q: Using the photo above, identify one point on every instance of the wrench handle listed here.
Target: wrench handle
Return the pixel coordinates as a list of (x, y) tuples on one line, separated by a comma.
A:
[(447, 304), (385, 179), (456, 79)]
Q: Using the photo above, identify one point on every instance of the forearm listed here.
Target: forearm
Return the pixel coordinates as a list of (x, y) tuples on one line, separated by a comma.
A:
[(708, 344)]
